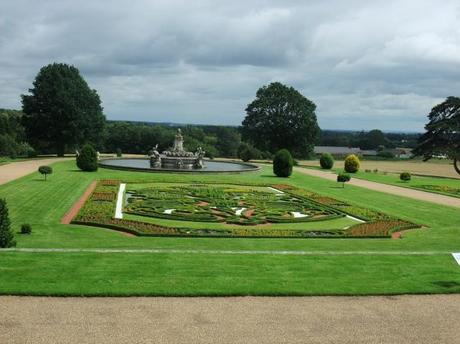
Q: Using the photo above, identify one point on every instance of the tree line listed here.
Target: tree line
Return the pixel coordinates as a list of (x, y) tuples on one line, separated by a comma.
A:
[(61, 113)]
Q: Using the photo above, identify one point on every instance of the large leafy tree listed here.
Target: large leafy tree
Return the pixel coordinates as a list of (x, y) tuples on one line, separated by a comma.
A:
[(281, 117), (62, 111), (442, 132)]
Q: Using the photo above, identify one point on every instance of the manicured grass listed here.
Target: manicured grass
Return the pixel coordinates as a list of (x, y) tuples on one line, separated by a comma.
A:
[(42, 204), (415, 183), (200, 274)]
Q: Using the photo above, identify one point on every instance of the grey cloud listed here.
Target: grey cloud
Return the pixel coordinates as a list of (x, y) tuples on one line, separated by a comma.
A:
[(366, 64)]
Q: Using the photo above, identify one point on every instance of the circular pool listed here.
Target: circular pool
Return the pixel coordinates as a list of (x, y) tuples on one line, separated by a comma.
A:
[(211, 166)]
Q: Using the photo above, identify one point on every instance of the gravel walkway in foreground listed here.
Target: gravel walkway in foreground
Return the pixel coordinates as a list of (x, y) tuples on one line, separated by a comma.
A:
[(259, 320), (19, 169), (391, 189)]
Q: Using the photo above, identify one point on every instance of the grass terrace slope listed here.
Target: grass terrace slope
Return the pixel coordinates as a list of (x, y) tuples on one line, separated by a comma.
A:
[(105, 262)]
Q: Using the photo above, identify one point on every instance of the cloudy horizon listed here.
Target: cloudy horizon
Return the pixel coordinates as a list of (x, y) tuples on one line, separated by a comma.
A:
[(382, 64)]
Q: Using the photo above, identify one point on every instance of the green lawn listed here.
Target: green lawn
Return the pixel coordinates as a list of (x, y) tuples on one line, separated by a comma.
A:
[(415, 183), (42, 204)]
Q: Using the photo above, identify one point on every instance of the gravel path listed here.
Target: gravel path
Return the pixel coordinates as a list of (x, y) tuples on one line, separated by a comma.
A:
[(259, 320), (19, 169), (391, 189)]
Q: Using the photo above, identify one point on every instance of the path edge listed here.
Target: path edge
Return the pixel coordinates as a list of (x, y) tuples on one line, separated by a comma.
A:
[(68, 217)]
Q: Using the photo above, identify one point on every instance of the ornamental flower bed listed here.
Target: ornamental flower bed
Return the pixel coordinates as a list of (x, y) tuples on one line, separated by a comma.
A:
[(253, 222)]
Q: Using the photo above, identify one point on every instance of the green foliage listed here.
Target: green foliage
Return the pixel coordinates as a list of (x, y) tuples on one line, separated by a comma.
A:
[(246, 152), (443, 189), (281, 117), (326, 161), (385, 154), (119, 153), (442, 132), (26, 228), (45, 170), (87, 159), (6, 235), (283, 163), (343, 178), (352, 164), (62, 111), (373, 139), (405, 176)]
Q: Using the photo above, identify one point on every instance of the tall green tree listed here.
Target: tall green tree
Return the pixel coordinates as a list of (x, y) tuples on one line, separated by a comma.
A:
[(442, 132), (281, 117), (6, 235), (62, 111)]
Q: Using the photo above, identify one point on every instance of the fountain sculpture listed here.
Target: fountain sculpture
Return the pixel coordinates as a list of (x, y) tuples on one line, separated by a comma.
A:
[(177, 158)]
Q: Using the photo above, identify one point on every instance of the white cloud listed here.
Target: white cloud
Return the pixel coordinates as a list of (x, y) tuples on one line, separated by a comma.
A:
[(366, 64)]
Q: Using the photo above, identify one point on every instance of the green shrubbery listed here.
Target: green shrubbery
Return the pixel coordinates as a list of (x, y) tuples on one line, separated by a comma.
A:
[(246, 152), (326, 161), (352, 164), (405, 176), (6, 235), (45, 170), (118, 152), (343, 178), (87, 159), (283, 163), (26, 228)]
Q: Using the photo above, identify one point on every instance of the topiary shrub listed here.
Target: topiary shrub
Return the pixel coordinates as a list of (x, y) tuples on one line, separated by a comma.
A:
[(352, 164), (282, 163), (6, 235), (118, 152), (405, 176), (87, 159), (26, 228), (343, 178), (45, 170), (326, 161)]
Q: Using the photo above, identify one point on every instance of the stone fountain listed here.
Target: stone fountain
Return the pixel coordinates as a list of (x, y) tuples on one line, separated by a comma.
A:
[(177, 157)]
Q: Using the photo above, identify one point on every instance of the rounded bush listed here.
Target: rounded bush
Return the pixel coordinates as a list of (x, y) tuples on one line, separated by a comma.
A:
[(405, 176), (26, 228), (343, 178), (45, 170), (326, 161), (352, 164), (282, 163), (118, 152), (87, 159)]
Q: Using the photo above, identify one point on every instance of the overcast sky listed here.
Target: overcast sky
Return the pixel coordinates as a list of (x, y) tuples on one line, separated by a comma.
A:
[(366, 64)]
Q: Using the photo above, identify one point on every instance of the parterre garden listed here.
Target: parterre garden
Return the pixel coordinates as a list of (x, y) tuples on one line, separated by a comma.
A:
[(233, 211)]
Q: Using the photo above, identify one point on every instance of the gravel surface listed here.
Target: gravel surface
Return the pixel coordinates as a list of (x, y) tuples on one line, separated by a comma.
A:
[(19, 169), (391, 319), (395, 190)]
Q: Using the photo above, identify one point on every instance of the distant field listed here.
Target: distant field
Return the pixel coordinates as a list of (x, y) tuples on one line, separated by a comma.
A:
[(443, 168)]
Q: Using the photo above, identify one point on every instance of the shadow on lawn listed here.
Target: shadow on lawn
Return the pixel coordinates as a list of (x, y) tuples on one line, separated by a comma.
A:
[(447, 284)]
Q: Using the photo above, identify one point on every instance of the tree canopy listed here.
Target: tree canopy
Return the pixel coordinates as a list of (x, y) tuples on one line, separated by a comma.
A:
[(442, 132), (62, 110), (281, 117)]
